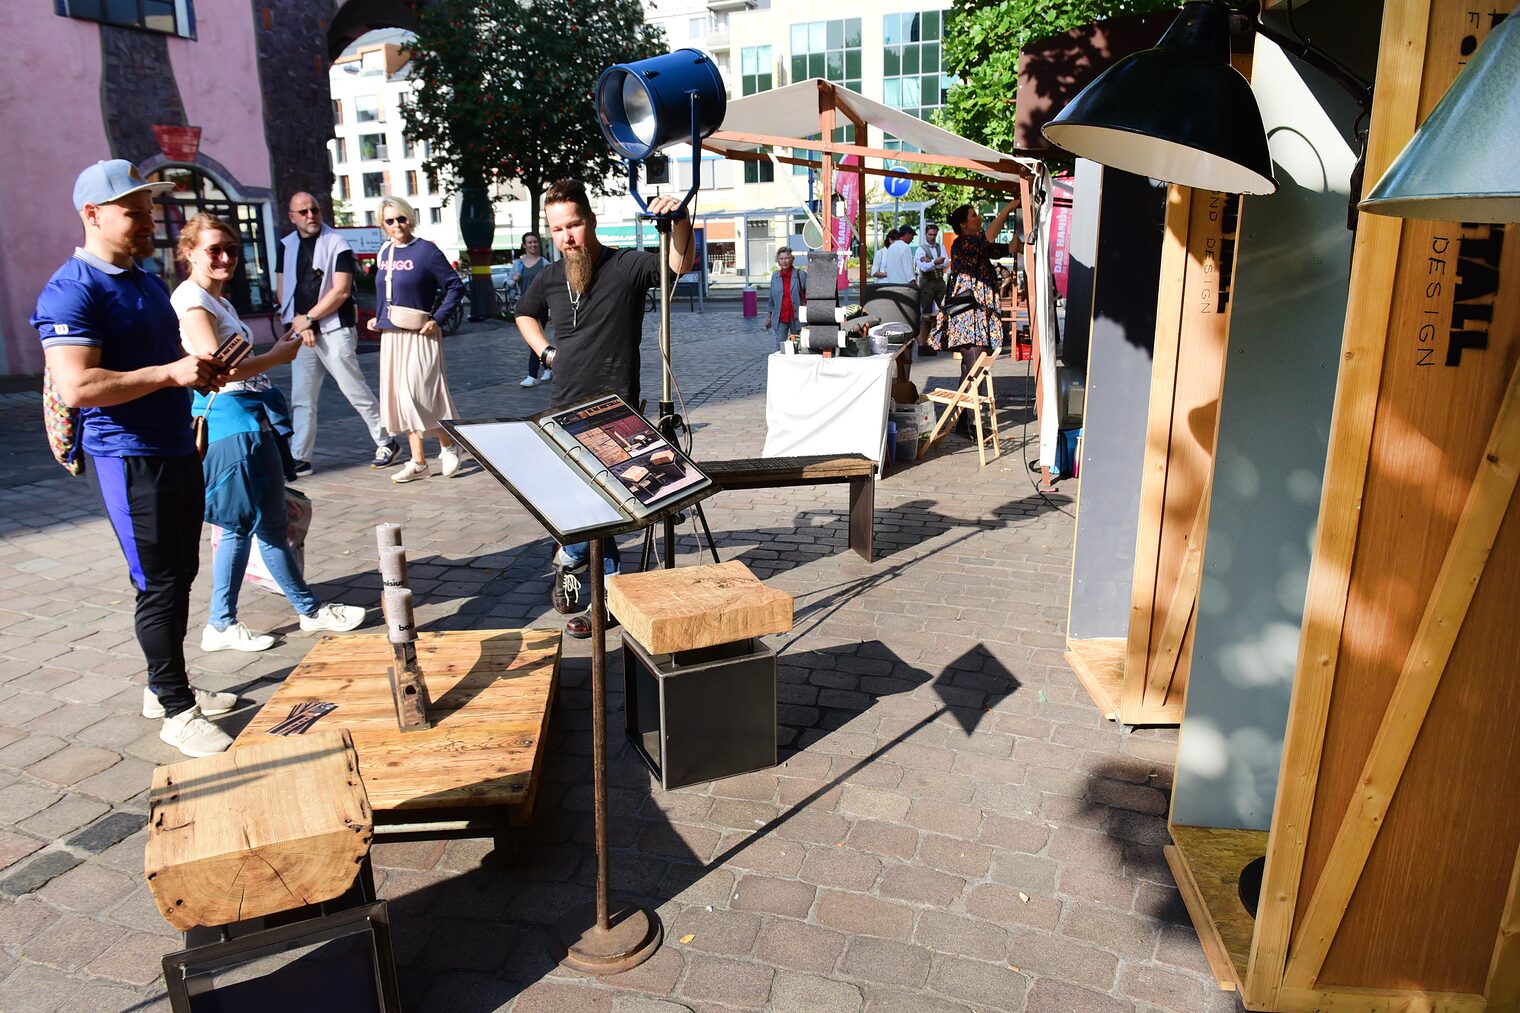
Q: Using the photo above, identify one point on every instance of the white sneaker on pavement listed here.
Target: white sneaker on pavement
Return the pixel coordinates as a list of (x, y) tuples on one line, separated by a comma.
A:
[(193, 735), (208, 703), (236, 637), (334, 619), (546, 376), (448, 461), (529, 381), (410, 472)]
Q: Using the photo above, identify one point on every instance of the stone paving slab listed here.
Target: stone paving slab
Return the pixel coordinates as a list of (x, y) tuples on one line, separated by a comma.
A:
[(952, 827)]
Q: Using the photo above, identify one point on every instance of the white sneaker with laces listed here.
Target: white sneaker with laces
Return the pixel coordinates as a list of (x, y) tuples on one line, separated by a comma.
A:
[(411, 472), (448, 461), (208, 703), (193, 735), (334, 619), (236, 637), (529, 381)]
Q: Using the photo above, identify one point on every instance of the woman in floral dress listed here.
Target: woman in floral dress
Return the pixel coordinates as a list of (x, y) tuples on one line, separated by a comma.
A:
[(971, 323)]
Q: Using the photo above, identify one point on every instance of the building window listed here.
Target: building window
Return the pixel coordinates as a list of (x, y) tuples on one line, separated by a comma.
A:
[(368, 109), (435, 216), (411, 182), (345, 191), (371, 147), (827, 49), (914, 78), (756, 69), (697, 28), (337, 112), (339, 151), (369, 218), (195, 191), (169, 17), (759, 172), (432, 182), (374, 184), (408, 147)]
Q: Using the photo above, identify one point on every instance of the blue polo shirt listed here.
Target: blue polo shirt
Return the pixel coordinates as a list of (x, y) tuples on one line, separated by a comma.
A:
[(126, 313)]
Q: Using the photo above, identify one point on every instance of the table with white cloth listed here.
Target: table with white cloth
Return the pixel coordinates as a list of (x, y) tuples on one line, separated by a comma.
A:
[(838, 405)]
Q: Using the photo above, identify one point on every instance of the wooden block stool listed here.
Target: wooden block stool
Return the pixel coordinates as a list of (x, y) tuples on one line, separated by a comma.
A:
[(271, 828), (699, 686)]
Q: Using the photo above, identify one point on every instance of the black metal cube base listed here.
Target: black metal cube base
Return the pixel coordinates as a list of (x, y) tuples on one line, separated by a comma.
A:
[(701, 715)]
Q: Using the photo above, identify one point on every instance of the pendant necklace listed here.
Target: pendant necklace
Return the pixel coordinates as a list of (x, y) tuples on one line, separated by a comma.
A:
[(575, 303)]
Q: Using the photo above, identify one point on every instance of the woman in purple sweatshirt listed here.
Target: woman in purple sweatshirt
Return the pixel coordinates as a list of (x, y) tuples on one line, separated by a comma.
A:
[(414, 391)]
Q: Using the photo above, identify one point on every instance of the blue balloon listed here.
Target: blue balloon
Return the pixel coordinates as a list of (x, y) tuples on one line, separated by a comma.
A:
[(896, 186)]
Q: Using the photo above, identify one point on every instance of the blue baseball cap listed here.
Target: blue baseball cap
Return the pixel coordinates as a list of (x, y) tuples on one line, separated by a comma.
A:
[(111, 180)]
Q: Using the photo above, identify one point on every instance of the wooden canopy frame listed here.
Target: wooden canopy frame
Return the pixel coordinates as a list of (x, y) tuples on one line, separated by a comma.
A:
[(830, 110)]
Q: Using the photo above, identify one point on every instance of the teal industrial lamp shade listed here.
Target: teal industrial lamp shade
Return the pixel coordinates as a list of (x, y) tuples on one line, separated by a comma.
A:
[(1178, 112), (1463, 164)]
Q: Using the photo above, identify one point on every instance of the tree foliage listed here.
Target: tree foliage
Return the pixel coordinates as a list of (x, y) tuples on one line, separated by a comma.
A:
[(507, 88), (982, 47)]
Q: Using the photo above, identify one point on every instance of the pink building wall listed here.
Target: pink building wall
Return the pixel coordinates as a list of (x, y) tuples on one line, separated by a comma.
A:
[(51, 123)]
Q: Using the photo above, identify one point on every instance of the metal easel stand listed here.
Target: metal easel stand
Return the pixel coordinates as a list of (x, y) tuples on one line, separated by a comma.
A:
[(603, 937)]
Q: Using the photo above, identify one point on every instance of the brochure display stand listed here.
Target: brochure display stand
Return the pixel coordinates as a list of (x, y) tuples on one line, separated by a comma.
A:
[(586, 473)]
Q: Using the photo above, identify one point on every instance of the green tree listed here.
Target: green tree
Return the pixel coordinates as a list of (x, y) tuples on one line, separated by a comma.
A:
[(507, 88), (982, 44)]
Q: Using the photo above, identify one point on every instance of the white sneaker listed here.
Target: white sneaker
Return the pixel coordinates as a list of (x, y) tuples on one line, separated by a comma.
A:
[(546, 376), (236, 637), (529, 381), (411, 472), (448, 461), (193, 735), (210, 704), (334, 619)]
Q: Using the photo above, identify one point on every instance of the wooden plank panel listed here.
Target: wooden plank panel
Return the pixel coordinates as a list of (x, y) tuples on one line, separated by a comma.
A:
[(1450, 343), (1504, 970), (1099, 666), (491, 692), (1373, 269), (1419, 680)]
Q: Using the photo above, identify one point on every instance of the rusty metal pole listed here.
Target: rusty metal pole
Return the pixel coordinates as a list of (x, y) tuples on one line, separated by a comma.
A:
[(599, 729)]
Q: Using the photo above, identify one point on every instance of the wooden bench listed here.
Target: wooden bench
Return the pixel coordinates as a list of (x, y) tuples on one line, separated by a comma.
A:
[(857, 470)]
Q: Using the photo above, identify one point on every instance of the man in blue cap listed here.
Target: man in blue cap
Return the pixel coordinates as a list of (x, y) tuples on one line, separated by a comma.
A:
[(111, 340)]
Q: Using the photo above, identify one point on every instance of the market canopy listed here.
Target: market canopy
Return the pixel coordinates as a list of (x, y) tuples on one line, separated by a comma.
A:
[(786, 117)]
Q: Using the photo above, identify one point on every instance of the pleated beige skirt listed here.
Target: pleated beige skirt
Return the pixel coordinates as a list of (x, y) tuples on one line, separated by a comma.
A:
[(414, 383)]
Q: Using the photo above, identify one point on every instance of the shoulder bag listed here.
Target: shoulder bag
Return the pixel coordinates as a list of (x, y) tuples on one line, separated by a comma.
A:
[(405, 318)]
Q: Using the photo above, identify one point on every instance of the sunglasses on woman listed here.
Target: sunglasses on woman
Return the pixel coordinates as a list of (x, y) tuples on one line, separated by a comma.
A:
[(398, 220)]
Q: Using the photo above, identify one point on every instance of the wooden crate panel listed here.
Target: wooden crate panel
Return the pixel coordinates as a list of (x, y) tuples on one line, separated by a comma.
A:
[(1099, 666), (491, 693), (1213, 859), (697, 606)]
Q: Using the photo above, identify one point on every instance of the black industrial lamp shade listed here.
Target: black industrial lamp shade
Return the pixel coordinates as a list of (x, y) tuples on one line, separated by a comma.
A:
[(647, 105), (1178, 112), (1463, 164)]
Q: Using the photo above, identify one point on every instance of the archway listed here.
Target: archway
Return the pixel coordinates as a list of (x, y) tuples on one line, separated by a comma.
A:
[(356, 17)]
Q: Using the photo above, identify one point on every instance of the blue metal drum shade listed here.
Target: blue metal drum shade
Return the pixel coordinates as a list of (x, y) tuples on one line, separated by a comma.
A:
[(1463, 164), (646, 106), (1178, 112)]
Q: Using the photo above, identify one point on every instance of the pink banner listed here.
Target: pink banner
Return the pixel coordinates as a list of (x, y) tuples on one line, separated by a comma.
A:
[(848, 185), (1060, 232)]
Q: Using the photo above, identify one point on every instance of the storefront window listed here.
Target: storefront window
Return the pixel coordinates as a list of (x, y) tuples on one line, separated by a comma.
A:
[(251, 289), (171, 17)]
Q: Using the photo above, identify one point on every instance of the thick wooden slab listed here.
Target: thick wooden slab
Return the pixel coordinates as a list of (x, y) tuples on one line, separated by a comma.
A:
[(491, 692), (255, 831), (696, 606)]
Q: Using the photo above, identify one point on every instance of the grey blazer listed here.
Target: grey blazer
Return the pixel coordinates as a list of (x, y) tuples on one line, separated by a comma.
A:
[(799, 286)]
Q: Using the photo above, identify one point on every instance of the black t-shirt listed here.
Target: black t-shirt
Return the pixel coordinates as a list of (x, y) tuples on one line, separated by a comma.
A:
[(309, 282), (597, 340)]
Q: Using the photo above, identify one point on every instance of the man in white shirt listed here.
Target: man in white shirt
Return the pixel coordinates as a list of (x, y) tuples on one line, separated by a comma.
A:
[(897, 261), (931, 260)]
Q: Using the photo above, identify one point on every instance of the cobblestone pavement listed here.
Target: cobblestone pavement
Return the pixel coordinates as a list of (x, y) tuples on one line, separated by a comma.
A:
[(953, 826)]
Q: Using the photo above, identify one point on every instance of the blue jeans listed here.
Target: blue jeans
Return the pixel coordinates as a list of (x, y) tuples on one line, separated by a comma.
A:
[(780, 330), (577, 553), (231, 561)]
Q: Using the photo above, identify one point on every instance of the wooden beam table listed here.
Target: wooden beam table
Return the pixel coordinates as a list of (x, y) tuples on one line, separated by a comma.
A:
[(474, 773)]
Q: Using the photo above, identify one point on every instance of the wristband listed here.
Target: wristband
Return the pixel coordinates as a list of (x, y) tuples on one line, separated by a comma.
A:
[(547, 356)]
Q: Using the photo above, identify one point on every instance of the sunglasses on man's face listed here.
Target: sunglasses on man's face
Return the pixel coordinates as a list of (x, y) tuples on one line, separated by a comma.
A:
[(398, 220), (303, 212)]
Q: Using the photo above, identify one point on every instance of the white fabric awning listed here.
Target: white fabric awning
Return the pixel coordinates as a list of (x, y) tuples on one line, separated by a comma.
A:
[(793, 112)]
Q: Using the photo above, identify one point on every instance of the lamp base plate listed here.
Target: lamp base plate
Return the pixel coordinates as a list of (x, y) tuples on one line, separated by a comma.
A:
[(632, 937)]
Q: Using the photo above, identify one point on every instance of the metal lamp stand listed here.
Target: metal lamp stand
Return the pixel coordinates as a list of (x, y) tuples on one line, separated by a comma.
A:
[(603, 937)]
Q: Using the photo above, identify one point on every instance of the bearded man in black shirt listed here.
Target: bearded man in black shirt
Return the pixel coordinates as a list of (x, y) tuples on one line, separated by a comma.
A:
[(595, 295)]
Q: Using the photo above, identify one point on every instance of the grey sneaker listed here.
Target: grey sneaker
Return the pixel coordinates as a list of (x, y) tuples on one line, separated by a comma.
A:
[(193, 735), (208, 703), (333, 619)]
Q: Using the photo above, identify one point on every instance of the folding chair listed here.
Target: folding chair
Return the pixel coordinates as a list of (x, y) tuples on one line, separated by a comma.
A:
[(975, 392)]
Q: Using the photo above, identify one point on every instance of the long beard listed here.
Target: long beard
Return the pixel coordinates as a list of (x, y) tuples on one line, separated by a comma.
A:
[(579, 267)]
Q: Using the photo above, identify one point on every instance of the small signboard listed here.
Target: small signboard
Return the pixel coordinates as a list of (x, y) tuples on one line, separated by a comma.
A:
[(364, 240)]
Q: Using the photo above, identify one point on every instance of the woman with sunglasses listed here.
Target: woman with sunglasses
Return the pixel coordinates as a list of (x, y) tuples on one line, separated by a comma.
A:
[(245, 475), (414, 381)]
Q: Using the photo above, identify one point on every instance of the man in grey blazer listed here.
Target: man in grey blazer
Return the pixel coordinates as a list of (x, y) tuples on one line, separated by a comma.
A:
[(783, 314)]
